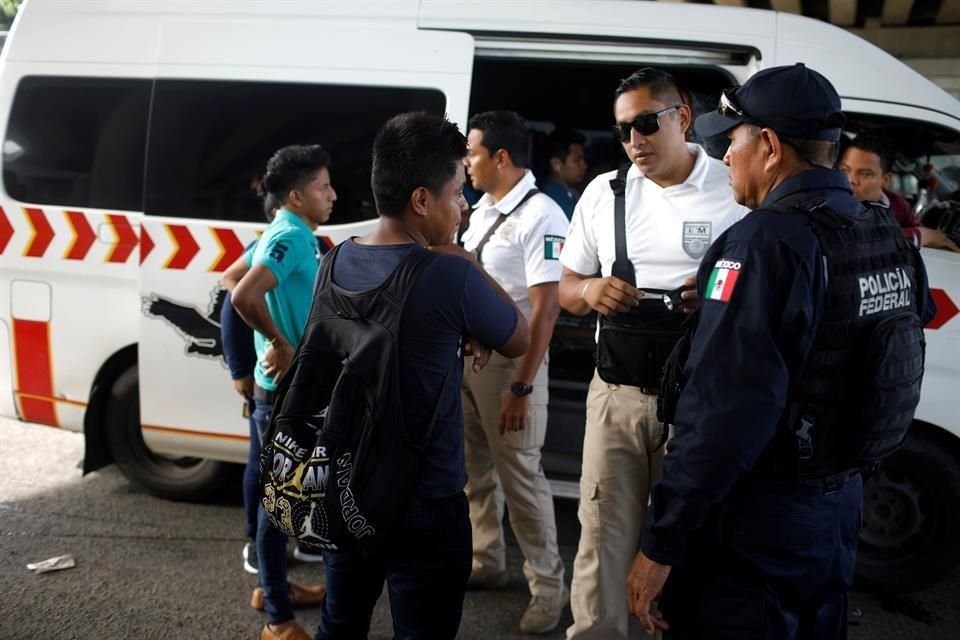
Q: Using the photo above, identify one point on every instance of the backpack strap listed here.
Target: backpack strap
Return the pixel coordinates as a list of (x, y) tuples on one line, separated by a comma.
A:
[(401, 284), (622, 267), (326, 269), (478, 252)]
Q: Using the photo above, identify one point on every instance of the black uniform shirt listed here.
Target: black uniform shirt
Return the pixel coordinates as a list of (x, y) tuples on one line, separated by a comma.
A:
[(762, 288)]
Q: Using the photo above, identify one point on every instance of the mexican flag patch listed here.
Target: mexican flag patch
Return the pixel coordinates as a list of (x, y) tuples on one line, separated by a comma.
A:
[(552, 245), (723, 279)]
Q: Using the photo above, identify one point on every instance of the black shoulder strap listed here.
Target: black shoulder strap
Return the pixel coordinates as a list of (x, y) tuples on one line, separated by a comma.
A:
[(815, 207), (401, 281), (478, 252), (401, 284), (622, 267), (326, 269)]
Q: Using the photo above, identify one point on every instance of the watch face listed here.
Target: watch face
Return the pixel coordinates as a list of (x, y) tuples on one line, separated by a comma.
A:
[(520, 389)]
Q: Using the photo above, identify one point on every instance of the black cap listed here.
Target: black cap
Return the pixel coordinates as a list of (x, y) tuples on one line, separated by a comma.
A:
[(794, 101)]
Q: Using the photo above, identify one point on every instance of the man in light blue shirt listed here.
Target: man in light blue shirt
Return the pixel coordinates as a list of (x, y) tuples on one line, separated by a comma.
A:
[(274, 298)]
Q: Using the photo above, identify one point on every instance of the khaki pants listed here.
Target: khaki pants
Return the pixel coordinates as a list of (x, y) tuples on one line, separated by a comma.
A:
[(508, 467), (621, 460)]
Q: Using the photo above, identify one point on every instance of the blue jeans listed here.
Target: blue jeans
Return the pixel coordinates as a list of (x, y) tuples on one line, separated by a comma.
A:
[(251, 476), (426, 569), (271, 545)]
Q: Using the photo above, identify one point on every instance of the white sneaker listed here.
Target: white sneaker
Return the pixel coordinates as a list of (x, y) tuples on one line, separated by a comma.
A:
[(301, 554), (543, 613), (250, 563)]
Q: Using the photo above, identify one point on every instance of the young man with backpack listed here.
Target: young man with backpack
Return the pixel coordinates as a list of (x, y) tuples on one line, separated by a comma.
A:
[(448, 302)]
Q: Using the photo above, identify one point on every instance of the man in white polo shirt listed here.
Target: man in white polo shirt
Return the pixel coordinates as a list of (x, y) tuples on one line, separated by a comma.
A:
[(516, 232), (677, 200)]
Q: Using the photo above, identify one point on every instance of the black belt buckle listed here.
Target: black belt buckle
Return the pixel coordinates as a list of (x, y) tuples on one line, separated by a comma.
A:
[(262, 395)]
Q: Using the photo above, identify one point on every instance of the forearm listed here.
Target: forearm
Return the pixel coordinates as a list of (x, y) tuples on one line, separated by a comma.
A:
[(541, 325), (254, 311), (571, 293)]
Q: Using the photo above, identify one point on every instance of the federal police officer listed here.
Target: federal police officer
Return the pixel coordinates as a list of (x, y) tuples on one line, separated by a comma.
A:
[(808, 307)]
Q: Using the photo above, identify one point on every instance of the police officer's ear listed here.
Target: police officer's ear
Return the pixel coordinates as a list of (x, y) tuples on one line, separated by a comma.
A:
[(684, 117), (502, 159), (772, 147)]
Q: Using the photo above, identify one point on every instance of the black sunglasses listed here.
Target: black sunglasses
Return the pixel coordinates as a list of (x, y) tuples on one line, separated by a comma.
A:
[(646, 125)]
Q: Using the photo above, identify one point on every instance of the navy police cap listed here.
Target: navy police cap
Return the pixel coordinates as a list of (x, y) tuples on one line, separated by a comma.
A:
[(794, 101)]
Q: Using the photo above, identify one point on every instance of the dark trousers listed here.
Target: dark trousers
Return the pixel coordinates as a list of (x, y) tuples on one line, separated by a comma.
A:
[(769, 564), (426, 569), (271, 542), (251, 476)]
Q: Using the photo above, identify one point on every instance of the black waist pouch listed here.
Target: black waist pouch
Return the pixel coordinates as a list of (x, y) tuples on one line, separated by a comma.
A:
[(632, 348)]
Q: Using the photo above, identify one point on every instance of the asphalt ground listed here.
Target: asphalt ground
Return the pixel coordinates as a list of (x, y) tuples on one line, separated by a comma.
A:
[(151, 568)]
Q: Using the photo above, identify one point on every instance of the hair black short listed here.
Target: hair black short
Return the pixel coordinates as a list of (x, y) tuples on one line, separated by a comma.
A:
[(291, 168), (413, 150), (662, 86), (873, 144), (558, 142), (820, 153), (504, 130)]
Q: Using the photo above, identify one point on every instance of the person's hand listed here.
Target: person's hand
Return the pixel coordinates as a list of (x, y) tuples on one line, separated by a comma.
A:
[(277, 359), (481, 353), (610, 296), (513, 413), (244, 386), (691, 299), (644, 585), (936, 239)]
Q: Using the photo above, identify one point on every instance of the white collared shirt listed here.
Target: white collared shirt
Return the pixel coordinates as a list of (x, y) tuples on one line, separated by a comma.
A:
[(668, 229), (525, 250)]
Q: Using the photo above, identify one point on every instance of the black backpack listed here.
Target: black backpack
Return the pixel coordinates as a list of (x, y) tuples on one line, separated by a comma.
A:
[(339, 466)]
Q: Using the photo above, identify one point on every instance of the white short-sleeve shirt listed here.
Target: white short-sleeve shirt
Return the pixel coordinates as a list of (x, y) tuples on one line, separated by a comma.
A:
[(525, 250), (668, 229)]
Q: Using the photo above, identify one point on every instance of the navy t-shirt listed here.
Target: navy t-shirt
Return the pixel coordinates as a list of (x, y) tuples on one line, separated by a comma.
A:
[(449, 300)]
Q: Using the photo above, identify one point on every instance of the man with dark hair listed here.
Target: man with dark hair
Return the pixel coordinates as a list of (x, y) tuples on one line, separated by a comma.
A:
[(675, 200), (806, 306), (868, 164), (273, 297), (516, 233), (567, 168), (417, 181)]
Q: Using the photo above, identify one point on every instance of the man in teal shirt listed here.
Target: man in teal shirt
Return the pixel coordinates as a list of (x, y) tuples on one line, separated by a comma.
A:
[(274, 298)]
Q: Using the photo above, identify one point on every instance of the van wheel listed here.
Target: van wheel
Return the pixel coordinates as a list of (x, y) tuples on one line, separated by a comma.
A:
[(911, 518), (162, 476)]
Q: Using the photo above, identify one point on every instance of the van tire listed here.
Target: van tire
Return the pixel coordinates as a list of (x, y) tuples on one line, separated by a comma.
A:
[(911, 517), (162, 476)]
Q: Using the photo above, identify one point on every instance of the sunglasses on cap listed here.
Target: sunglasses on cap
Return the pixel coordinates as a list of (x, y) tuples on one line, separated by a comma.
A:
[(646, 125), (728, 106)]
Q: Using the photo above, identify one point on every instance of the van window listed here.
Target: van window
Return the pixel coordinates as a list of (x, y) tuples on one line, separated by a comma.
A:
[(209, 142), (578, 95), (77, 142)]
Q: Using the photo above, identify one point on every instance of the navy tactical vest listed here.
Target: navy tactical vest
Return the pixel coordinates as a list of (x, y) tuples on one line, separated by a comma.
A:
[(854, 401)]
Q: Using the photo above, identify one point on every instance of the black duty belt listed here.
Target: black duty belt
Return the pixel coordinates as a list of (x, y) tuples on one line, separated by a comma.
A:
[(262, 395), (829, 484)]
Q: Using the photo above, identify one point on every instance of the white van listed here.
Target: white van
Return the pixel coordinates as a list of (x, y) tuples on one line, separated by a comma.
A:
[(134, 130)]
